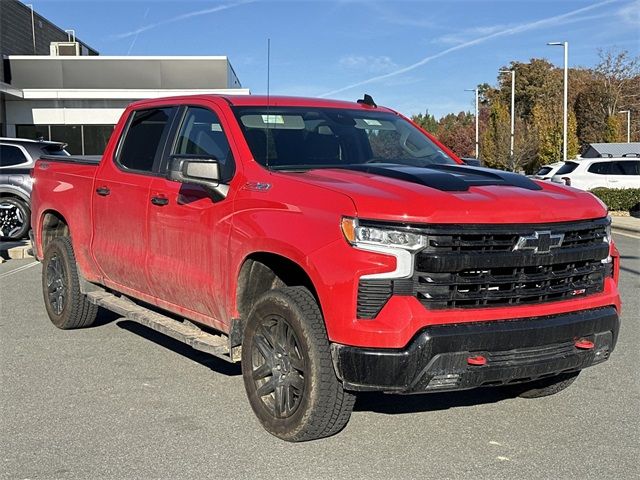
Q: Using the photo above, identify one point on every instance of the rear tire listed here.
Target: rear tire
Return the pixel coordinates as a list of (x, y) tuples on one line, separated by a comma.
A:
[(15, 219), (546, 386), (67, 307), (288, 371)]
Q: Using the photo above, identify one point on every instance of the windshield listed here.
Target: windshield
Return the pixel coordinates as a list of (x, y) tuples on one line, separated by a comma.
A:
[(299, 138)]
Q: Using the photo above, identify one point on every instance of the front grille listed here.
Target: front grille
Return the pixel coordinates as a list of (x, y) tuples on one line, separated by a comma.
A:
[(476, 266)]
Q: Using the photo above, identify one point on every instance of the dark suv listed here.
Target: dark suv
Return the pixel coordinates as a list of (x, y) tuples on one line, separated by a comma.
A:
[(17, 157)]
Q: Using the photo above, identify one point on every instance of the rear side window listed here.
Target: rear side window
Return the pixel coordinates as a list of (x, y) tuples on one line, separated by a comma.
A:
[(568, 167), (627, 168), (544, 171), (201, 135), (11, 155), (601, 168), (145, 138)]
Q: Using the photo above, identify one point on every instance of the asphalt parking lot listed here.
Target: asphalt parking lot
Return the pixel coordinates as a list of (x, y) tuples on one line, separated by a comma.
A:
[(121, 401)]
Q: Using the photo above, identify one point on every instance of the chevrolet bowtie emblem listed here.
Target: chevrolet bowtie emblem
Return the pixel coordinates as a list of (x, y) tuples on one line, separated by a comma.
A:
[(540, 242)]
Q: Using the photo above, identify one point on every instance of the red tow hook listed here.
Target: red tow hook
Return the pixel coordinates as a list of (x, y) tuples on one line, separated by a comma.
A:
[(478, 360), (584, 344)]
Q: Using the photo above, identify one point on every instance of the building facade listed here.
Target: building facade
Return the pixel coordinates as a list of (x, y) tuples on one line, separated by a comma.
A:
[(67, 92)]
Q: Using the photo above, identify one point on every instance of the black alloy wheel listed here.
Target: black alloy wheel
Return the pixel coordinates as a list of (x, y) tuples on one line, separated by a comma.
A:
[(56, 284), (14, 219), (278, 367)]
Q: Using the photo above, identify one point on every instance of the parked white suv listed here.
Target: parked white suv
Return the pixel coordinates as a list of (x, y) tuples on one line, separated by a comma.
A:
[(590, 173), (548, 171)]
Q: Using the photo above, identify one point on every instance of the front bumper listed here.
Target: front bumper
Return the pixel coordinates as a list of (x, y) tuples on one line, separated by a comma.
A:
[(515, 351)]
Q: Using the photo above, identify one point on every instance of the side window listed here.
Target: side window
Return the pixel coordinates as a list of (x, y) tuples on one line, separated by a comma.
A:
[(628, 167), (600, 168), (144, 138), (11, 155), (201, 135)]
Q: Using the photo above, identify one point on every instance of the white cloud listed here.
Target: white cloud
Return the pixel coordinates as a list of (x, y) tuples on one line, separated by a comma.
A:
[(556, 20), (368, 63)]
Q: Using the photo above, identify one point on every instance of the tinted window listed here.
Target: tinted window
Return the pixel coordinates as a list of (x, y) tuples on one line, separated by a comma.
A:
[(543, 171), (11, 155), (309, 137), (96, 138), (600, 168), (144, 138), (627, 168), (201, 135), (33, 132), (568, 167), (69, 134)]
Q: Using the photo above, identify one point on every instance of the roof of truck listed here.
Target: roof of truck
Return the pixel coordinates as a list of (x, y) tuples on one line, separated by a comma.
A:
[(274, 101)]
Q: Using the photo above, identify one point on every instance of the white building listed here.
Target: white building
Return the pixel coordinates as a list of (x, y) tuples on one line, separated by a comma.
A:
[(78, 99)]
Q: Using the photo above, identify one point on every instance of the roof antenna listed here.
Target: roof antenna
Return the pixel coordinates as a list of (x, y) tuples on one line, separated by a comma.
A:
[(267, 133), (368, 100)]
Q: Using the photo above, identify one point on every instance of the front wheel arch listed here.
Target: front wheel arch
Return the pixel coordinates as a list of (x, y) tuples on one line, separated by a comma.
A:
[(264, 271)]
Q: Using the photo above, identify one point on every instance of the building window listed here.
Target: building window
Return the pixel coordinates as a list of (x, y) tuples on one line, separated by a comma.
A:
[(69, 134), (33, 132), (96, 138), (81, 139)]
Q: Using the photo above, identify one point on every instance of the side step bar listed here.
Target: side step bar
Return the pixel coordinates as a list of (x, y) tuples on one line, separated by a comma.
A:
[(185, 332)]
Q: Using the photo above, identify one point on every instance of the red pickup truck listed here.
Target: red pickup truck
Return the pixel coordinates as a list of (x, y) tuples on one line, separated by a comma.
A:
[(332, 247)]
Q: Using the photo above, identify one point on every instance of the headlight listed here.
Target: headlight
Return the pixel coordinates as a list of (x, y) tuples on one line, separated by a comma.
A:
[(357, 235), (608, 237)]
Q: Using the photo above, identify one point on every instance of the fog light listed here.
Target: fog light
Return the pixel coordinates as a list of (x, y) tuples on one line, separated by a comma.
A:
[(447, 380)]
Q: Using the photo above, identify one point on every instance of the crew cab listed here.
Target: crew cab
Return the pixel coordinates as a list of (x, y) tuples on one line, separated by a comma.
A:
[(331, 247)]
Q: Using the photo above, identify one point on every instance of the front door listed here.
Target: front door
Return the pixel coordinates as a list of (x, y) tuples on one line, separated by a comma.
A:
[(121, 199), (188, 228)]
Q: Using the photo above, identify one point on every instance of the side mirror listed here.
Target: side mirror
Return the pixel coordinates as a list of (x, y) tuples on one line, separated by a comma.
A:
[(203, 171)]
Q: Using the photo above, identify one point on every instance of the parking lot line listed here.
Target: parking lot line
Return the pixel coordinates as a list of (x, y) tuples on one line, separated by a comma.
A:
[(19, 269)]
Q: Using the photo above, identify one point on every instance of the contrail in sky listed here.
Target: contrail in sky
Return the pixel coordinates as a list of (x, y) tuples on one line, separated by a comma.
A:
[(502, 33), (179, 18)]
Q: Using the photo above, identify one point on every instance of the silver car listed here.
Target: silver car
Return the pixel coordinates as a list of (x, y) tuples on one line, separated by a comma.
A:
[(17, 157)]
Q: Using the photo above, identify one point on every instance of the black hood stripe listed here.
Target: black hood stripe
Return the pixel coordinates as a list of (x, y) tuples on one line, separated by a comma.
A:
[(449, 178)]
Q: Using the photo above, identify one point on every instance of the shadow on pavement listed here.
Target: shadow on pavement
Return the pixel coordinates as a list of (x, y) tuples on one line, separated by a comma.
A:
[(216, 364), (397, 404)]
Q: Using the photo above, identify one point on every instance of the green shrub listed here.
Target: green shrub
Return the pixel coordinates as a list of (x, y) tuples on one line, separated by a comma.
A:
[(619, 199)]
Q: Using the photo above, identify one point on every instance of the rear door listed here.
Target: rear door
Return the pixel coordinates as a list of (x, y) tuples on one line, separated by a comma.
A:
[(624, 174), (188, 228), (121, 198), (598, 175)]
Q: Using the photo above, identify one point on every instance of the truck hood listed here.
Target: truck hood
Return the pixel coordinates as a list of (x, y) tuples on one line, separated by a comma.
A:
[(453, 194)]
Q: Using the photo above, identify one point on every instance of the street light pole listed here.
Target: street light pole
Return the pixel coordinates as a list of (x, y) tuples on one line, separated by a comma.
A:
[(513, 108), (628, 112), (566, 100), (475, 90)]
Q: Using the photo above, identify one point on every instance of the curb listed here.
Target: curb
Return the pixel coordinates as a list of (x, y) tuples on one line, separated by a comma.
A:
[(16, 253), (625, 229)]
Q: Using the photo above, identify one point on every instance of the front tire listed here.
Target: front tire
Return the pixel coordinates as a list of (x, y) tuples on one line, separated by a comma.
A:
[(288, 371), (15, 219), (66, 305)]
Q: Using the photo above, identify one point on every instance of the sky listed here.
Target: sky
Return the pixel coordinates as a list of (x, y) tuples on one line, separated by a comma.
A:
[(412, 56)]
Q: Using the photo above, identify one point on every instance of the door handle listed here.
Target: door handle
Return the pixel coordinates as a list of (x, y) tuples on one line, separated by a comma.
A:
[(160, 201), (103, 191)]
